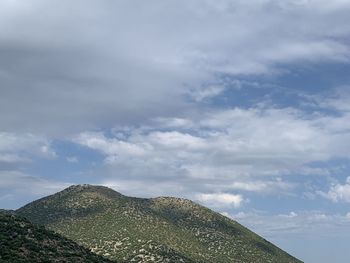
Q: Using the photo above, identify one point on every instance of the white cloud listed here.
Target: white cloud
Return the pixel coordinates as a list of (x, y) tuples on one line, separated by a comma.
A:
[(200, 94), (262, 186), (290, 215), (173, 122), (176, 140), (18, 148), (339, 192), (337, 99), (13, 158), (112, 147), (72, 159), (220, 199), (47, 151), (11, 142)]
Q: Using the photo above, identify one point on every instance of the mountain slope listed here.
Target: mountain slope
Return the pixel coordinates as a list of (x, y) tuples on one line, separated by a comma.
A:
[(21, 241), (149, 230)]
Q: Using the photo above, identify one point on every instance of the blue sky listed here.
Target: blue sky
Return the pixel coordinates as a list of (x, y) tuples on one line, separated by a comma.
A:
[(242, 106)]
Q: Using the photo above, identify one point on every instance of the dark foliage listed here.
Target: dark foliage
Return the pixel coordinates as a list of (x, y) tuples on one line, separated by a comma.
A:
[(21, 241)]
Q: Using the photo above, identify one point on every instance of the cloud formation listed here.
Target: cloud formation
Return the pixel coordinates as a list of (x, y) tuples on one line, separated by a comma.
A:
[(339, 192), (64, 70), (233, 151), (220, 199), (16, 149)]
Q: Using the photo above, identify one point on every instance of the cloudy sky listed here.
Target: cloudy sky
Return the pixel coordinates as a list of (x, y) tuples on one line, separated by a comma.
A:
[(243, 106)]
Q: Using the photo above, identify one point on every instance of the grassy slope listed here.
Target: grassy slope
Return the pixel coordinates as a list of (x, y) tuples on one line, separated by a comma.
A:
[(149, 230), (21, 241)]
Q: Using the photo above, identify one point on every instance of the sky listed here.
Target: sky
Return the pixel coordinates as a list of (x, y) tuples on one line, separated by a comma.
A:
[(242, 106)]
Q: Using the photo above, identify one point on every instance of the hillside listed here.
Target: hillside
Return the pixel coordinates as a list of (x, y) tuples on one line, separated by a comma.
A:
[(161, 229), (21, 241)]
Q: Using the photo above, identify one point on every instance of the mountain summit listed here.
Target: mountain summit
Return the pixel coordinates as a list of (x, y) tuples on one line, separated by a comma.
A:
[(163, 229)]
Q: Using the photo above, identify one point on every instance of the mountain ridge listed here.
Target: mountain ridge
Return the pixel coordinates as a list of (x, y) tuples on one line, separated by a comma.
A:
[(161, 229)]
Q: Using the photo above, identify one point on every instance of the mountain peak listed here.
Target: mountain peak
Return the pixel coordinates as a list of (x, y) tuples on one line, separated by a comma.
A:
[(77, 186), (80, 187), (83, 188)]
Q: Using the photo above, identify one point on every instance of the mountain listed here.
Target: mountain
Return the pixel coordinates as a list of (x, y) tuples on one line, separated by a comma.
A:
[(163, 229), (21, 241)]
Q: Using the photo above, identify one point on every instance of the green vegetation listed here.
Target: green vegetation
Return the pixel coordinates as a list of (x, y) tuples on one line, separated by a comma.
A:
[(21, 241), (161, 229)]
